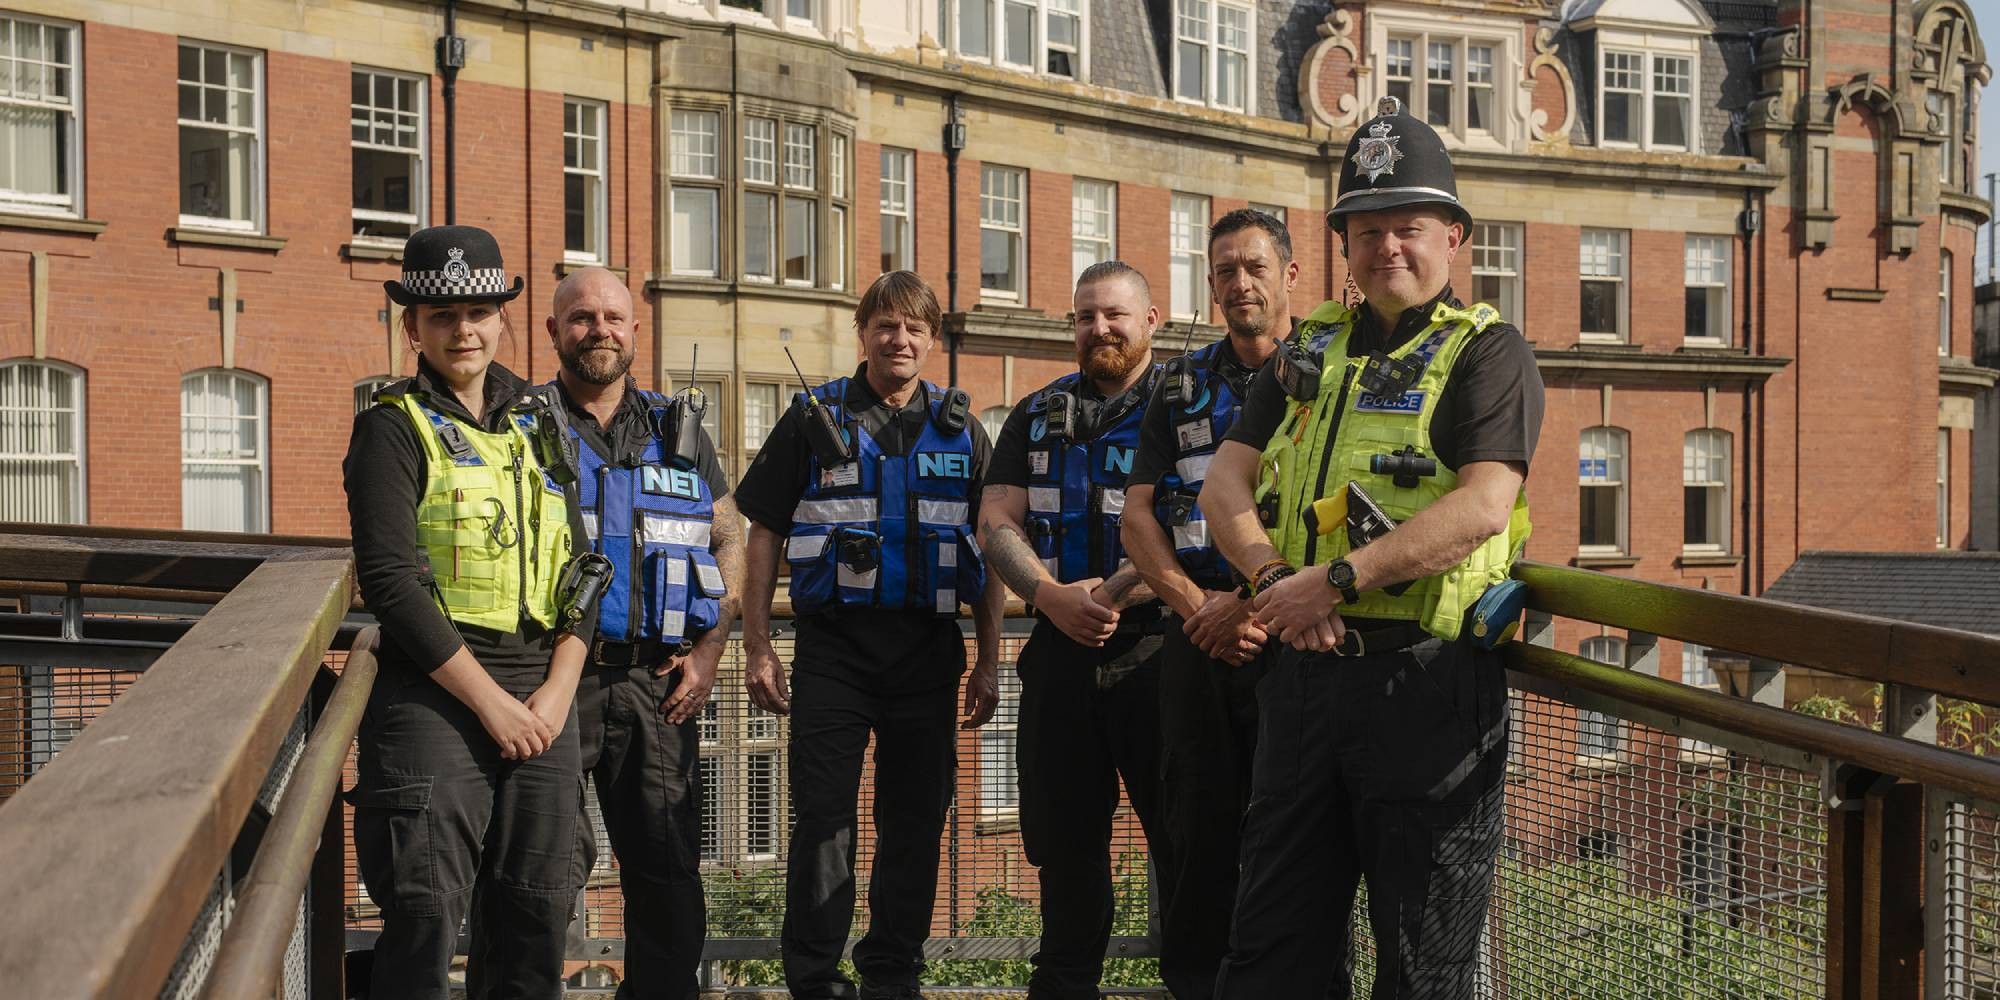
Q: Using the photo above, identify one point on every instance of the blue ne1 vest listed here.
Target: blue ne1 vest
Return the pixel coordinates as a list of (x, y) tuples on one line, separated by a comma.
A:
[(653, 521), (892, 532), (1198, 427), (1076, 489)]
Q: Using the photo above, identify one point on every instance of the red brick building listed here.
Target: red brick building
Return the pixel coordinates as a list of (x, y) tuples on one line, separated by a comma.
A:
[(1738, 232)]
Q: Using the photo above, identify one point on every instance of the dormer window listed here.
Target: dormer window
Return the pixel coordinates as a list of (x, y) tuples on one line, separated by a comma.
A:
[(1212, 62), (1648, 70), (1046, 37), (1448, 75)]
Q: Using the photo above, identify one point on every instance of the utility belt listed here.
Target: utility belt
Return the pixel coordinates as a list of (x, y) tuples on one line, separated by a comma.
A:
[(645, 653), (1369, 636)]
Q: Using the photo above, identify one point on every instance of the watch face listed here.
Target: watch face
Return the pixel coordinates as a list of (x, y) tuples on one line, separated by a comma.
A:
[(1341, 574)]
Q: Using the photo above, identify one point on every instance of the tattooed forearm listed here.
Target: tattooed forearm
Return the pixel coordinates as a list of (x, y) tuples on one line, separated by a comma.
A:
[(726, 543), (1125, 588), (1010, 557)]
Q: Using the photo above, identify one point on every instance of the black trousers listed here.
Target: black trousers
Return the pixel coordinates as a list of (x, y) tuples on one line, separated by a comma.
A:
[(1076, 739), (438, 814), (649, 790), (1389, 768), (1208, 731), (916, 755)]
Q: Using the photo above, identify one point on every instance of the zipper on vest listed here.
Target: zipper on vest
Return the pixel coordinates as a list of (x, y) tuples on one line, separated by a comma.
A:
[(520, 525), (1326, 457)]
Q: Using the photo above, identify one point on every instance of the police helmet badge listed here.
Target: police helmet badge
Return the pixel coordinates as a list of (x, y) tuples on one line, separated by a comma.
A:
[(1377, 152), (455, 269)]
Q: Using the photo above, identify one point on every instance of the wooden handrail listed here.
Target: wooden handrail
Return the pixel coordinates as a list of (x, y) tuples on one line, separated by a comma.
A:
[(111, 848), (1941, 660), (143, 561), (1894, 755), (251, 958)]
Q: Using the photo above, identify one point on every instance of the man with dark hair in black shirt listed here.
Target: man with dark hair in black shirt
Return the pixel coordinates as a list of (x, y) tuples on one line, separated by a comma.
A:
[(658, 645), (1089, 678), (1214, 652), (873, 512), (1371, 492)]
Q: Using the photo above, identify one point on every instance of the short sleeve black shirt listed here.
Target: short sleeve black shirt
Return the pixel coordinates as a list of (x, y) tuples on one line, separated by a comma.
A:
[(893, 650), (1490, 410)]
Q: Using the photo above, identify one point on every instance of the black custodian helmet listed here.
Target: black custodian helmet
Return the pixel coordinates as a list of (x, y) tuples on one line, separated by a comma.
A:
[(1393, 160)]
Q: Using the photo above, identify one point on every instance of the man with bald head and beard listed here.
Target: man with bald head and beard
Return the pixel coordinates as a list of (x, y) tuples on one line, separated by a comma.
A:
[(1049, 521), (656, 506)]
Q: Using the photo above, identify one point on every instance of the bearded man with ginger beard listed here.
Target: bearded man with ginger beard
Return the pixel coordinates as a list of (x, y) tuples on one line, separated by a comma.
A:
[(1049, 523)]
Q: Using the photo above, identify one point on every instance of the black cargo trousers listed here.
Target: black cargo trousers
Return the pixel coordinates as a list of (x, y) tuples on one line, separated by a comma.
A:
[(1089, 717), (1387, 767), (437, 815), (1208, 732), (649, 791)]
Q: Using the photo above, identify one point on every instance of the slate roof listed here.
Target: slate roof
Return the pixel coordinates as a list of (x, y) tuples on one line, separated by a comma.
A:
[(1950, 589)]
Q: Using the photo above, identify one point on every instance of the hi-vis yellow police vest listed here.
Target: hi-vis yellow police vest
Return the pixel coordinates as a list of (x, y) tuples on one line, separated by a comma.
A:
[(493, 525), (1324, 444)]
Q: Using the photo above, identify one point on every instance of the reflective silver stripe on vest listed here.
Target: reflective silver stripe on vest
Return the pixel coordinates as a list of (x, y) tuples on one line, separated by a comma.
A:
[(1045, 499), (1112, 502), (590, 524), (1192, 535), (859, 510), (663, 530), (945, 512), (1194, 468)]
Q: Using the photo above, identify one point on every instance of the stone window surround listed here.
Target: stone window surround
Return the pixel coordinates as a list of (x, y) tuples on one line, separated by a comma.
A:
[(733, 115), (1511, 104)]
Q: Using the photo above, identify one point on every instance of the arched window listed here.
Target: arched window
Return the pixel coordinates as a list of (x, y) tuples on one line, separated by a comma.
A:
[(1705, 490), (41, 443), (992, 418), (1601, 505), (1600, 736), (225, 451), (365, 390)]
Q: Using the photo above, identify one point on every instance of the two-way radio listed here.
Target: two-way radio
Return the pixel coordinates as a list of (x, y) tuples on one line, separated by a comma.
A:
[(1178, 388), (829, 445), (690, 403)]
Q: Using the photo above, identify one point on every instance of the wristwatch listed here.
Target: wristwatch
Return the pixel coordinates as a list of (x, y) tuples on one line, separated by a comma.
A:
[(1340, 573)]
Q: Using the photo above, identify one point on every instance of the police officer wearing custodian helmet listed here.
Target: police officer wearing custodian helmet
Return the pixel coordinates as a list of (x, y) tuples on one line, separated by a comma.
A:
[(465, 527), (868, 487), (1383, 737), (656, 507)]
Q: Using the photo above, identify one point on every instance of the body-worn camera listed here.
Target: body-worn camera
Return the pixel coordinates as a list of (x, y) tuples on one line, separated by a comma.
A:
[(552, 441), (1385, 376), (1405, 466), (1060, 414), (1298, 372), (678, 424), (957, 409)]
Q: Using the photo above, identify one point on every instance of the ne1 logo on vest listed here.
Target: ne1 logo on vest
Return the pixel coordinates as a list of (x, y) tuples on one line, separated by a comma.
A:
[(1118, 459), (662, 481), (944, 465)]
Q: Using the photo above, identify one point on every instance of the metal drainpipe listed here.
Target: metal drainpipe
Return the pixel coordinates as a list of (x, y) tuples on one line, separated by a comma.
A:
[(1752, 219), (450, 57), (952, 140)]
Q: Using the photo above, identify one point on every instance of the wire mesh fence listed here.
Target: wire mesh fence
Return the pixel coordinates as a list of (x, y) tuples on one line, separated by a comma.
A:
[(42, 708), (1967, 940)]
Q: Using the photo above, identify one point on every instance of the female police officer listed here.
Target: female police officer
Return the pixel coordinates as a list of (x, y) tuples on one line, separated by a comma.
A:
[(469, 773)]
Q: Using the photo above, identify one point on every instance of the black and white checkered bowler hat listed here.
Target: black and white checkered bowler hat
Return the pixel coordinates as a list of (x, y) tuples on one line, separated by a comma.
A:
[(452, 264)]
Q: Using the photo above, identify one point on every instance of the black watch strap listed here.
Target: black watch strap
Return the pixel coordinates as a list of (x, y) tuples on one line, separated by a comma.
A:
[(1336, 572)]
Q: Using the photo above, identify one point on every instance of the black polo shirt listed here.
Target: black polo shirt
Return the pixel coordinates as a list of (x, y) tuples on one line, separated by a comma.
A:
[(1490, 409), (899, 650)]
